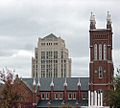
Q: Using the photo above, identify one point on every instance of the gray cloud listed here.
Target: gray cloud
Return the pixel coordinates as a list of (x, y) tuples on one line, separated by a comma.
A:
[(22, 22)]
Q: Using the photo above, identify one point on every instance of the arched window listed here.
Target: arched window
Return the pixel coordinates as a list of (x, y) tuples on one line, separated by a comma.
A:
[(100, 72), (100, 51), (105, 51), (95, 52)]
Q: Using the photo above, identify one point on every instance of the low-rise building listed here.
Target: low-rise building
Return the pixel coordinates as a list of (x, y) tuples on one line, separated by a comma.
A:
[(58, 92)]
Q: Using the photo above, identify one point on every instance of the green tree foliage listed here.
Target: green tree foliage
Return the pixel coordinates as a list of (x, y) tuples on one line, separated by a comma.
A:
[(115, 94)]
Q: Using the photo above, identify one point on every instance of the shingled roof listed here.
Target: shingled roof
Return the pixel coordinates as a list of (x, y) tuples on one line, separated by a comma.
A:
[(58, 83), (58, 104)]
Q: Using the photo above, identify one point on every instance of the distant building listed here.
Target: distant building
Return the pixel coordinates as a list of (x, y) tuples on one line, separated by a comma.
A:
[(101, 64), (51, 58)]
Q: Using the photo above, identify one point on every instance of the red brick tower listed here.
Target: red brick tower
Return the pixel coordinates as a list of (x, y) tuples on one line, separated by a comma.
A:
[(101, 65)]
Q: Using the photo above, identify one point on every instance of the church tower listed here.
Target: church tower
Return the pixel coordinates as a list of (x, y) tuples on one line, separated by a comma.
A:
[(101, 65)]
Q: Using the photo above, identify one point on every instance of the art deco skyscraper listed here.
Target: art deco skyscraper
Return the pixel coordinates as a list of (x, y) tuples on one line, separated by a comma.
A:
[(51, 58)]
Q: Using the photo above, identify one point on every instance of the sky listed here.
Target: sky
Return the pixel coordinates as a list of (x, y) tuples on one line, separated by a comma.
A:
[(22, 22)]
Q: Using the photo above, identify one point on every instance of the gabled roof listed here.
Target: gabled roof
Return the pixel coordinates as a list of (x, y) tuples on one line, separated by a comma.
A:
[(58, 83), (50, 36), (28, 82)]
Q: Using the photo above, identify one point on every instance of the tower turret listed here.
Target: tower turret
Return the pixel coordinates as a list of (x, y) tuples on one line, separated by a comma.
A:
[(52, 90), (92, 21), (65, 91), (109, 20), (101, 65), (79, 90), (65, 83), (52, 83), (79, 83)]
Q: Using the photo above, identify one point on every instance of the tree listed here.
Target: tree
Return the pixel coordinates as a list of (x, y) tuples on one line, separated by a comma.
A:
[(8, 96), (115, 94)]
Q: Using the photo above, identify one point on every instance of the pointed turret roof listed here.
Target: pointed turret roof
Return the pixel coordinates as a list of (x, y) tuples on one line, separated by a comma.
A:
[(79, 83), (92, 18), (108, 17), (65, 83), (38, 84), (52, 83), (34, 82)]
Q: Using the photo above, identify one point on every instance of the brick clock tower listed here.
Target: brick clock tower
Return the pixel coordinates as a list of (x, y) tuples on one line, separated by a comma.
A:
[(101, 65)]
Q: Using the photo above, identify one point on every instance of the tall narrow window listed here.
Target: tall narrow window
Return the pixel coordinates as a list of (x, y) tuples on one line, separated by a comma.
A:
[(100, 51), (60, 96), (61, 54), (105, 52), (43, 96), (100, 72), (55, 54), (109, 54), (95, 52), (42, 54), (47, 96), (70, 96), (74, 95), (56, 96)]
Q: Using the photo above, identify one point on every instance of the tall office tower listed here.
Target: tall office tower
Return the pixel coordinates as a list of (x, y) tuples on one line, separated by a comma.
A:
[(101, 65), (51, 58)]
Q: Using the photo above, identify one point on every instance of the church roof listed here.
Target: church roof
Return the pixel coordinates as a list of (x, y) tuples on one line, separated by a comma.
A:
[(58, 83), (59, 103)]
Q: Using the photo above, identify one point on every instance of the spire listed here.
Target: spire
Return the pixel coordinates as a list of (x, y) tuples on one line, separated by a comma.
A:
[(65, 83), (108, 19), (92, 21), (34, 81), (38, 83), (79, 83), (52, 83)]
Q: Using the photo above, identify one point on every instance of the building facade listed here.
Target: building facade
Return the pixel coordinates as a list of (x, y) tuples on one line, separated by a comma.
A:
[(59, 92), (51, 58), (101, 64), (51, 92)]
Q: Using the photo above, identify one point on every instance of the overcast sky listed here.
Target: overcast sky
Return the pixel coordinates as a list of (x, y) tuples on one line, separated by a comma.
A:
[(23, 21)]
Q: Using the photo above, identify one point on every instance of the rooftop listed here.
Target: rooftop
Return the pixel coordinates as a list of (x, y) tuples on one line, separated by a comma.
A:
[(59, 83)]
